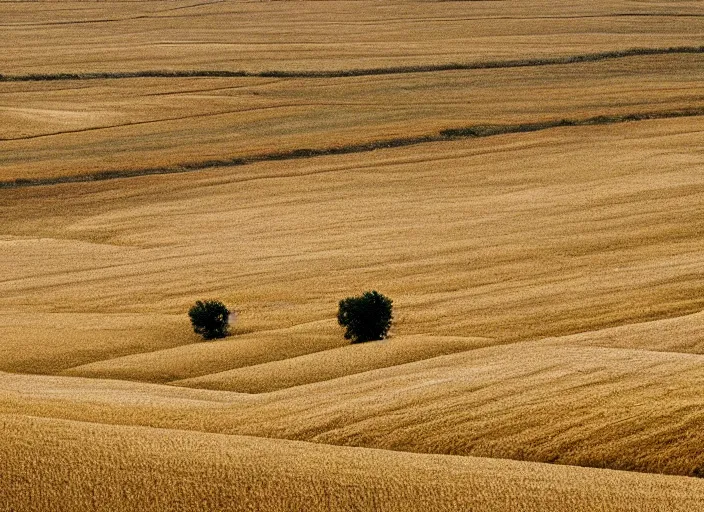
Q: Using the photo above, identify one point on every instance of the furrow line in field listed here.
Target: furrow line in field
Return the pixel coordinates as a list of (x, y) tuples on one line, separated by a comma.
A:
[(152, 121), (473, 131), (431, 68), (157, 15)]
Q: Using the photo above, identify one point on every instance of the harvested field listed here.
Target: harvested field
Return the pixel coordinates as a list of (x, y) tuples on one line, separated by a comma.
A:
[(330, 364), (107, 127), (240, 473), (546, 402), (684, 334), (263, 36), (195, 359), (64, 340), (524, 179), (541, 210), (522, 245)]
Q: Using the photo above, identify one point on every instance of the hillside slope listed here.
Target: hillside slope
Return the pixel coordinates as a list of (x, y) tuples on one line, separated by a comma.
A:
[(504, 237), (536, 401), (86, 466)]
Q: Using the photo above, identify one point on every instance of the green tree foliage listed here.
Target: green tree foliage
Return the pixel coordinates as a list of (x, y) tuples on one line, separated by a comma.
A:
[(365, 318), (210, 319)]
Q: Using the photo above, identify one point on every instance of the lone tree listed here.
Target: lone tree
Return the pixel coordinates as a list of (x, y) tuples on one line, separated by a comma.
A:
[(210, 319), (365, 318)]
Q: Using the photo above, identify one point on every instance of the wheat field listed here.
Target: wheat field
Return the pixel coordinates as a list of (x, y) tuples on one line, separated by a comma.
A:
[(113, 126), (524, 179)]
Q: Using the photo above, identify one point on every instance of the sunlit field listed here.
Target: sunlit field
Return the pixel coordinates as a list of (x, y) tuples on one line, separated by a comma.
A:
[(524, 180)]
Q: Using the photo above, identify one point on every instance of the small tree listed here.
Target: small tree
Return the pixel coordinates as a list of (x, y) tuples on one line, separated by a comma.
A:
[(210, 319), (365, 318)]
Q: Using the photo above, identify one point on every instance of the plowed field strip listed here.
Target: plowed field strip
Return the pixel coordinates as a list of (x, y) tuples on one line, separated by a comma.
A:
[(515, 63), (444, 135)]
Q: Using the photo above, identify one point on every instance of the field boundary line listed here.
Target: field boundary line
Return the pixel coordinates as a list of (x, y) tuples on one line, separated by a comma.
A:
[(430, 68), (449, 134)]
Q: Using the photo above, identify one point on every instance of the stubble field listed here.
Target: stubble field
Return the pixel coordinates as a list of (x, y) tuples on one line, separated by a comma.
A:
[(525, 180)]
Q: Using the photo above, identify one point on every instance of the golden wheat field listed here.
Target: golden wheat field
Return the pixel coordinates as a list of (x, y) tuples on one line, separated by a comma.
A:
[(524, 179)]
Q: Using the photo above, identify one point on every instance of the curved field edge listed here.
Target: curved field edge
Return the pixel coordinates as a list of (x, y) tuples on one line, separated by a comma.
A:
[(620, 240), (535, 401), (333, 363), (682, 334), (87, 466), (204, 358), (267, 361), (431, 68), (64, 340), (475, 131)]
